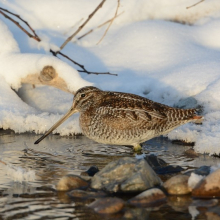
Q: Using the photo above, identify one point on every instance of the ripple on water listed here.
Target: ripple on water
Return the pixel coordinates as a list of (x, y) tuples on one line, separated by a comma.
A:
[(57, 156)]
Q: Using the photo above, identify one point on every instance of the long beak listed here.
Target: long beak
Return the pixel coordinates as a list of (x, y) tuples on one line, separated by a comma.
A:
[(67, 115)]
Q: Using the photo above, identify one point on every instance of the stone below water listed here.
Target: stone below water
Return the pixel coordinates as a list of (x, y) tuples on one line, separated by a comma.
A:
[(126, 175), (177, 185), (209, 186), (151, 197), (107, 205), (70, 182)]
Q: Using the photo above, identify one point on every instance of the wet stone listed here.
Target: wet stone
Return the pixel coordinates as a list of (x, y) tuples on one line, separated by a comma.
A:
[(126, 175), (168, 170), (209, 186), (85, 194), (177, 185), (91, 171), (191, 153), (151, 197), (70, 182), (155, 161), (107, 205)]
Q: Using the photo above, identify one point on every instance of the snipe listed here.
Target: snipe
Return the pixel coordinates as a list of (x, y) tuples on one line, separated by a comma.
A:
[(121, 118)]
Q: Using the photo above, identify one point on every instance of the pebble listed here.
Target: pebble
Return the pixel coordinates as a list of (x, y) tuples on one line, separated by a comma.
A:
[(177, 185), (151, 197), (209, 186), (126, 175), (107, 205), (70, 182)]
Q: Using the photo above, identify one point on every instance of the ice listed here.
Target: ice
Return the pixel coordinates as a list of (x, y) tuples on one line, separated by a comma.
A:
[(150, 46)]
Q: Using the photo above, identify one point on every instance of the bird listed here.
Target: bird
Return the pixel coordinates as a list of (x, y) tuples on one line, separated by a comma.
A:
[(117, 118)]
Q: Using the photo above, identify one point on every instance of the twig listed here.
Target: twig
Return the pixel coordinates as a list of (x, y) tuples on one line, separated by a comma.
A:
[(17, 23), (116, 12), (37, 38), (84, 69), (195, 4), (81, 27), (106, 22)]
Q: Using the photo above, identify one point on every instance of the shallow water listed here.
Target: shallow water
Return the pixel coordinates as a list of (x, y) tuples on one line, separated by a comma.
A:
[(57, 156)]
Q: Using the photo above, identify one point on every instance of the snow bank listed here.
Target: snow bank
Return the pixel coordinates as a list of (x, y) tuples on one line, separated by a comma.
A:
[(168, 62)]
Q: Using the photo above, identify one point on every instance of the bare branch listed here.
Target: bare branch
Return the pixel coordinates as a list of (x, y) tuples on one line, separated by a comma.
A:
[(106, 22), (195, 4), (81, 27), (37, 38), (116, 12)]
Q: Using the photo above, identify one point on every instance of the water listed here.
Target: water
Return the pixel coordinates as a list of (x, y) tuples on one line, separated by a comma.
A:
[(57, 156)]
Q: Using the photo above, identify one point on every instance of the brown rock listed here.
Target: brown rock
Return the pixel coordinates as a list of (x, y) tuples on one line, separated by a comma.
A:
[(191, 153), (177, 185), (149, 197), (209, 186), (70, 182), (107, 205)]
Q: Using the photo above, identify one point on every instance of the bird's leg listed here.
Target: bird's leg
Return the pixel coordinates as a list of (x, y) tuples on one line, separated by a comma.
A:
[(137, 147)]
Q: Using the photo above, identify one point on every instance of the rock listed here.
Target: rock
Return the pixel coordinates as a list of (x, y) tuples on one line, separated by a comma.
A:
[(209, 186), (126, 175), (91, 171), (203, 171), (168, 170), (69, 182), (155, 161), (191, 153), (107, 205), (85, 194), (151, 197), (177, 185)]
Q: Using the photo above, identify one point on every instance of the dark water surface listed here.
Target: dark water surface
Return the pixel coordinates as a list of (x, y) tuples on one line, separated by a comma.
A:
[(57, 156)]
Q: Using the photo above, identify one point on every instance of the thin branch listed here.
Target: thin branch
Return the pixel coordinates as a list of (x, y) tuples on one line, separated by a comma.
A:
[(84, 70), (116, 12), (37, 38), (195, 4), (81, 27), (106, 22)]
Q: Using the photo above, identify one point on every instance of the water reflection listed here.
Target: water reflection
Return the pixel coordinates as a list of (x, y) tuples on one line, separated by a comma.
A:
[(57, 156)]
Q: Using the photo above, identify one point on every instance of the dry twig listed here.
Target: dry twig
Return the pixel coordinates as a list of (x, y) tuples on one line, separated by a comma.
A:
[(106, 22), (116, 12), (37, 38), (81, 27), (195, 4)]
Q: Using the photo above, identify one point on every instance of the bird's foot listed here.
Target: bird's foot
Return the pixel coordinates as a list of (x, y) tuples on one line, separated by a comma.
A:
[(137, 147)]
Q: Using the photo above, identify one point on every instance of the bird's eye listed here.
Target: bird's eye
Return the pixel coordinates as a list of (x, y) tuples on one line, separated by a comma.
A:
[(83, 95)]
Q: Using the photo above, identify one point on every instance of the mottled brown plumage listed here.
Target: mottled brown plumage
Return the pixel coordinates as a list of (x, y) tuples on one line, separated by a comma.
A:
[(123, 118)]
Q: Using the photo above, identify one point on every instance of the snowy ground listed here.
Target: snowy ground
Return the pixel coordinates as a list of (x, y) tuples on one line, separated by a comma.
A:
[(159, 49)]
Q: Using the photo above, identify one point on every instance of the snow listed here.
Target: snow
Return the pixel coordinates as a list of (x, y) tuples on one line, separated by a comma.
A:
[(151, 46), (194, 179)]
